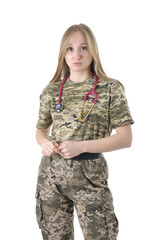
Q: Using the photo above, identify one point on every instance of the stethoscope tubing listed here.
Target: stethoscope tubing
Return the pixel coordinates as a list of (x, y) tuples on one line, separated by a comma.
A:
[(93, 91), (86, 95), (59, 106), (61, 88)]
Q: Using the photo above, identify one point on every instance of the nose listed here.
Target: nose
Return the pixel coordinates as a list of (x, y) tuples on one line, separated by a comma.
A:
[(77, 54)]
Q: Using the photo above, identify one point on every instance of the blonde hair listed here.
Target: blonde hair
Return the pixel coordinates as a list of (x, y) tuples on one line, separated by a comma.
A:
[(96, 67)]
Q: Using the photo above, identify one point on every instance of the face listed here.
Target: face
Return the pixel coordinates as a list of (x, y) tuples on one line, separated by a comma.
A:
[(78, 56)]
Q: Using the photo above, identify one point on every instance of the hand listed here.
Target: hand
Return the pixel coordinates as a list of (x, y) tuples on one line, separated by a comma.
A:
[(70, 149), (50, 148)]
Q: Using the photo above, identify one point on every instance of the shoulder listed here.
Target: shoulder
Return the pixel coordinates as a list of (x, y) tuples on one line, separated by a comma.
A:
[(51, 88), (110, 84), (50, 91)]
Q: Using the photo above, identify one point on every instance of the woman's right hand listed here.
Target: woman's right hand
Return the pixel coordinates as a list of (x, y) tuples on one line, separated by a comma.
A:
[(50, 148)]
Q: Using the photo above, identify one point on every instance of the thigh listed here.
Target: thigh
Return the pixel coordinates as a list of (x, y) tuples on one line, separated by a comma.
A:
[(95, 206), (55, 216), (54, 209), (97, 218)]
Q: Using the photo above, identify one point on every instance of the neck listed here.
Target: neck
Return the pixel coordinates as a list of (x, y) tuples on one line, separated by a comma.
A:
[(79, 76)]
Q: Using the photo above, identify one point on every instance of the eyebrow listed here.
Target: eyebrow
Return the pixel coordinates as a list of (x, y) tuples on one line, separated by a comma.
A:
[(69, 44)]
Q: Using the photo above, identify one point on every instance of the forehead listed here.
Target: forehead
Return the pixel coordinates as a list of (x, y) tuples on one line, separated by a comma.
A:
[(77, 37)]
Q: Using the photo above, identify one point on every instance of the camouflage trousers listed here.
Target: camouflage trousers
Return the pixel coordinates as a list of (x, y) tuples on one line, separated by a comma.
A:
[(64, 184)]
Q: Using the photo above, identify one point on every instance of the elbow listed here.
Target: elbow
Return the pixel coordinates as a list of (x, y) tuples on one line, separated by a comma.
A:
[(128, 142), (129, 145), (125, 133)]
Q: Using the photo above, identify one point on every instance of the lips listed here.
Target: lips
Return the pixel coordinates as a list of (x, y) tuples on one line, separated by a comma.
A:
[(77, 63)]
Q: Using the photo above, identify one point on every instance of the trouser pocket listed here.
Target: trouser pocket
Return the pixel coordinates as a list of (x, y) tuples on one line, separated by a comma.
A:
[(111, 221), (39, 211)]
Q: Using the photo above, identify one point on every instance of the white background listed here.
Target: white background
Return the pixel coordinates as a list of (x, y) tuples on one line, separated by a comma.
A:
[(127, 33)]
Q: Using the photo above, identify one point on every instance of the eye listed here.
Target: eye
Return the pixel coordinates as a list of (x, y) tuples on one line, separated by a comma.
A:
[(83, 48), (69, 49)]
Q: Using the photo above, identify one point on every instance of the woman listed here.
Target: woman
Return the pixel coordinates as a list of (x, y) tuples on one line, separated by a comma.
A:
[(73, 171)]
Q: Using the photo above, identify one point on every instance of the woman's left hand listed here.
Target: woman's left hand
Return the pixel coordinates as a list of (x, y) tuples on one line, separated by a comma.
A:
[(70, 149)]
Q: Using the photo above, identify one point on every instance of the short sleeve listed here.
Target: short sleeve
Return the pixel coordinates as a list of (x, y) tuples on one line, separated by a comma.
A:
[(45, 118), (119, 110)]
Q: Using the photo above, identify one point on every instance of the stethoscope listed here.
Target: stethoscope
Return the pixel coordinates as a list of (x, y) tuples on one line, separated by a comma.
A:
[(59, 106)]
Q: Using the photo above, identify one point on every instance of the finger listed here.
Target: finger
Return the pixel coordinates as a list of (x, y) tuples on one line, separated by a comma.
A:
[(56, 145), (46, 153), (60, 147), (47, 148), (65, 154), (50, 146), (66, 157), (56, 150)]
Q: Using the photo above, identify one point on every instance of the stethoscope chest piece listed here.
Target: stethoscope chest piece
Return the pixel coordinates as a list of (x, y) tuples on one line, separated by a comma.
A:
[(59, 107)]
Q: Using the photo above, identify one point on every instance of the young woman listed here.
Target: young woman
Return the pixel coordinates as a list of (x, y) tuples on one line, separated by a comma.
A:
[(78, 110)]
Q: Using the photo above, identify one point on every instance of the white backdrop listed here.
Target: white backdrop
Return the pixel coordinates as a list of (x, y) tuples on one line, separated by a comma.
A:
[(127, 33)]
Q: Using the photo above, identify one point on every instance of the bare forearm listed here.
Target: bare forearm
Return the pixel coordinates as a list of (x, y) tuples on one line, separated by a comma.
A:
[(42, 136), (108, 144), (48, 146)]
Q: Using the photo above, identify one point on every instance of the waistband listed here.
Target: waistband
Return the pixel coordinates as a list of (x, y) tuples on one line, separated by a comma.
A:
[(87, 156)]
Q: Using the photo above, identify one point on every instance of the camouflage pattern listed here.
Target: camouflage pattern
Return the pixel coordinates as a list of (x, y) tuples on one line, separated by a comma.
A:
[(110, 110), (65, 183)]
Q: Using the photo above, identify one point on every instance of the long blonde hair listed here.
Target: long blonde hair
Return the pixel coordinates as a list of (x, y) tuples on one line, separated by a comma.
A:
[(96, 67)]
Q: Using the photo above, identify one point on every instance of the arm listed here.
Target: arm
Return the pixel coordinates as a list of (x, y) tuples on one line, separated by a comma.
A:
[(122, 139), (42, 136), (48, 147)]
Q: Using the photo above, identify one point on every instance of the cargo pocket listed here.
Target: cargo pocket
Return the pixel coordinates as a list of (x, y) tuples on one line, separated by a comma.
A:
[(111, 221), (39, 211)]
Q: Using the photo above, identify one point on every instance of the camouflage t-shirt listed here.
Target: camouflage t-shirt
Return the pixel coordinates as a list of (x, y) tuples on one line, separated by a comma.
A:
[(110, 110)]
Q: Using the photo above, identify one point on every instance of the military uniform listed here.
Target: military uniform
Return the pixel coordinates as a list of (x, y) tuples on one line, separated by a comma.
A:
[(80, 182)]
